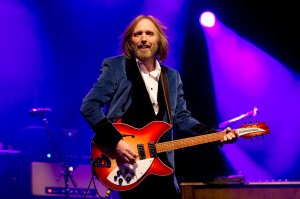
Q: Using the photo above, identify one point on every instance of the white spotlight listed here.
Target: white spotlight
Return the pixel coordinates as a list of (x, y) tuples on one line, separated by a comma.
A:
[(207, 19)]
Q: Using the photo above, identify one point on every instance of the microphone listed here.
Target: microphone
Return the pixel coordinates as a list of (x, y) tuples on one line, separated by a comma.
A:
[(39, 111)]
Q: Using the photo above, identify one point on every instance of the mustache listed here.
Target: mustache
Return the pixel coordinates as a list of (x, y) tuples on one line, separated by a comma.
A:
[(144, 46)]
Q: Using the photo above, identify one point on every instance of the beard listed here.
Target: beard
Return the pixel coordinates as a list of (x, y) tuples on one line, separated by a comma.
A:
[(145, 54)]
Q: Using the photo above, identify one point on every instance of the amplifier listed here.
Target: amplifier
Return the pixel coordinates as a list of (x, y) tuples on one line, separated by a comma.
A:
[(48, 179)]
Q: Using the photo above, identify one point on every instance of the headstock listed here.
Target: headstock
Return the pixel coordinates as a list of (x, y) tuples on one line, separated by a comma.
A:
[(253, 130)]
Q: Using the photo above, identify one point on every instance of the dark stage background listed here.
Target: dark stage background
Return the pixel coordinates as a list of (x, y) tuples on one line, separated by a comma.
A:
[(50, 54)]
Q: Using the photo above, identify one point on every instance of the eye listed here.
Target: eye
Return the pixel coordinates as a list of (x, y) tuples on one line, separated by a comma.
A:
[(149, 33), (137, 34)]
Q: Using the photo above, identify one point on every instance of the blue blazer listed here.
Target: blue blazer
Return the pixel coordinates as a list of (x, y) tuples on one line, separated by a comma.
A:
[(110, 97)]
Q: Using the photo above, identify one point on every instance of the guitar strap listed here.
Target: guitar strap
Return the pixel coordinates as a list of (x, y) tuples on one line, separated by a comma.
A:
[(165, 88)]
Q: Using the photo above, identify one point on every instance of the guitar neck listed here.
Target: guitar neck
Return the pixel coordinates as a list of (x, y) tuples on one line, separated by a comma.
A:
[(187, 142)]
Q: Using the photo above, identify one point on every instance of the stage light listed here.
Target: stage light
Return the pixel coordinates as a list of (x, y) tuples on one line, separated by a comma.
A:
[(71, 169), (207, 19)]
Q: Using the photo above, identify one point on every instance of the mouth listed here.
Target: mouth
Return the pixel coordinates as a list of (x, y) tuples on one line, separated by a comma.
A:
[(144, 47)]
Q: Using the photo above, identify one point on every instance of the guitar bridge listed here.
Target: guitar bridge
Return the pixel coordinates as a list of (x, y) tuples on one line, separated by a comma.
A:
[(101, 161)]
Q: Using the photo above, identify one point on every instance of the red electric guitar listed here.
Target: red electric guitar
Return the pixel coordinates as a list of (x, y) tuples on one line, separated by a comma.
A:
[(145, 141)]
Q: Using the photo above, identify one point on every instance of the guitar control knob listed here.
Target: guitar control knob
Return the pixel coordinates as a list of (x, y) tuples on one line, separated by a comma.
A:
[(128, 179), (120, 181), (119, 172)]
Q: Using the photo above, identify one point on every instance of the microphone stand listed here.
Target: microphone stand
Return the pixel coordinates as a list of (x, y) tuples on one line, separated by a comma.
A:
[(67, 171)]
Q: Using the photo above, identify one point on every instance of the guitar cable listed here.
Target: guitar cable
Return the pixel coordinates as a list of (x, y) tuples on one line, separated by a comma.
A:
[(88, 188), (108, 192)]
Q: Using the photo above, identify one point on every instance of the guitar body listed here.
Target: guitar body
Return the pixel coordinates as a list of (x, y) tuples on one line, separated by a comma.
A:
[(123, 177)]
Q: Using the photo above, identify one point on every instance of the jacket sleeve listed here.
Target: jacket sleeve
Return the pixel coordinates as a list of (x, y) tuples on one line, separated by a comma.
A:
[(106, 135), (202, 129), (94, 103)]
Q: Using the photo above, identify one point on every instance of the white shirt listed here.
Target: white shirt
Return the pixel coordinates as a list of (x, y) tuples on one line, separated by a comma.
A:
[(151, 81)]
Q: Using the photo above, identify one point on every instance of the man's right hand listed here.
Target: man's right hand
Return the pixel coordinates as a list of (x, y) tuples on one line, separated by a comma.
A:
[(125, 153)]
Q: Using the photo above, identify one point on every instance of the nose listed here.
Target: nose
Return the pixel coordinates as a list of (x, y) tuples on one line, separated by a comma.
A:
[(143, 37)]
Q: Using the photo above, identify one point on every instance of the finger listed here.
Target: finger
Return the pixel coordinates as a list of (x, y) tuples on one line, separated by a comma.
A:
[(122, 160), (133, 154), (224, 139), (228, 129), (229, 136), (236, 133), (130, 158), (132, 161)]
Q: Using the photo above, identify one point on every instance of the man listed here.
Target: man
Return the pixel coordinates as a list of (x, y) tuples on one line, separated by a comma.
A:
[(136, 88)]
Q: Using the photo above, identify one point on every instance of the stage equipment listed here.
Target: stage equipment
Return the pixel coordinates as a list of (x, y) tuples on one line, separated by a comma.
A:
[(44, 181), (67, 170)]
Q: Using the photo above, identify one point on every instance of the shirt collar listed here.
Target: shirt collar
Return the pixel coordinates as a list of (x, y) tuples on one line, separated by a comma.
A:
[(155, 74)]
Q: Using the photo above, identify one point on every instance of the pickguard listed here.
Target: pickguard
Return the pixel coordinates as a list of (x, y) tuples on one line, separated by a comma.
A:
[(127, 174)]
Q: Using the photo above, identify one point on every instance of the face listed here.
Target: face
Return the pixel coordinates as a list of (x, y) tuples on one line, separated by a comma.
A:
[(145, 40)]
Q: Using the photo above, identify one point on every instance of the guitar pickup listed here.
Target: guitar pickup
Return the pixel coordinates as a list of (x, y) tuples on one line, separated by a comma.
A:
[(152, 150), (141, 151)]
